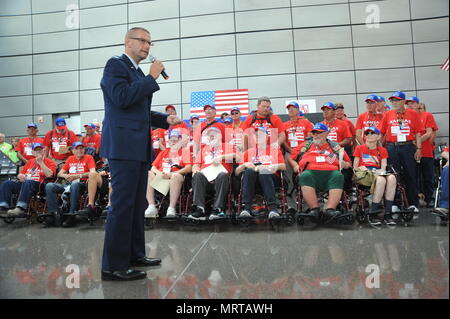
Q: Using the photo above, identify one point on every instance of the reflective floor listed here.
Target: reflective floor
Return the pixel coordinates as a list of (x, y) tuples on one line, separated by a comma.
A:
[(226, 262)]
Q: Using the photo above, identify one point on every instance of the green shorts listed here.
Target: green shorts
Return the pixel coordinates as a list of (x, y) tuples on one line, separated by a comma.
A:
[(322, 181)]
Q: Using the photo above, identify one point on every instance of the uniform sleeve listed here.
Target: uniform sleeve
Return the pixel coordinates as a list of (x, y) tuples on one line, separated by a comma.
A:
[(359, 122), (66, 164), (347, 133), (73, 137), (382, 126), (309, 126), (280, 157), (26, 167), (431, 122), (277, 123), (20, 147), (158, 160), (418, 126), (247, 122)]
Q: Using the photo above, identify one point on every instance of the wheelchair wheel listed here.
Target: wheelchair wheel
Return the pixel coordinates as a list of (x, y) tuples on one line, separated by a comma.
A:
[(407, 216), (290, 217), (361, 216), (40, 219), (244, 222), (8, 220), (300, 221)]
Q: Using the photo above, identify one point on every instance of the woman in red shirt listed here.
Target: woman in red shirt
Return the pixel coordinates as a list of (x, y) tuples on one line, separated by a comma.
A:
[(371, 156), (173, 163)]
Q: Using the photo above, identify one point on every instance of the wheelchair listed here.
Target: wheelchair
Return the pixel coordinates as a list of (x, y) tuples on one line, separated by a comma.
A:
[(230, 213), (305, 220), (362, 207), (439, 164), (260, 209), (163, 201), (37, 205)]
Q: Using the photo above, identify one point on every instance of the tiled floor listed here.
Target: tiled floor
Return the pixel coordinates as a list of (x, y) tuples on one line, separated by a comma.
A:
[(225, 262)]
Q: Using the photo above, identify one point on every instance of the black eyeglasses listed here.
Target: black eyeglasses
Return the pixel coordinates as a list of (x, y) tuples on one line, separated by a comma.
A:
[(144, 41), (370, 133), (234, 113)]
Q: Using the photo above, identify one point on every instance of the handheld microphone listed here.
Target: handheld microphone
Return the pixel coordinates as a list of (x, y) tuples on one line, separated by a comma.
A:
[(163, 73)]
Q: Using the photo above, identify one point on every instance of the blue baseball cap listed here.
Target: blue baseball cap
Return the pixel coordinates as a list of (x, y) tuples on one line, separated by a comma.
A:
[(91, 125), (60, 121), (228, 120), (372, 97), (413, 99), (398, 95), (32, 125), (194, 116), (213, 129), (76, 144), (293, 103), (373, 129), (211, 106), (235, 108), (36, 145), (381, 98), (329, 105), (320, 127), (174, 133)]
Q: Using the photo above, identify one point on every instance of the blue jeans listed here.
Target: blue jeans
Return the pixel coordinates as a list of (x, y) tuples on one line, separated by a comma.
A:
[(426, 177), (53, 189), (268, 182), (443, 202), (26, 189), (402, 156)]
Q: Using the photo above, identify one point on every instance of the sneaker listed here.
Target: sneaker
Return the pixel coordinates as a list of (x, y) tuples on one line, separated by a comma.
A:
[(373, 220), (16, 212), (217, 214), (388, 220), (245, 213), (441, 211), (395, 212), (331, 214), (171, 212), (415, 210), (197, 214), (273, 214), (151, 212)]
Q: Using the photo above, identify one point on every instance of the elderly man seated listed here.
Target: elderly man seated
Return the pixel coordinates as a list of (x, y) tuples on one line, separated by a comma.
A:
[(74, 172), (212, 153), (27, 185), (320, 161), (260, 165)]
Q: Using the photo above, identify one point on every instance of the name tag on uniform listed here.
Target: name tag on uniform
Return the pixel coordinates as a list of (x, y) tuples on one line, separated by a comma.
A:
[(320, 159), (27, 151), (401, 137), (56, 146), (395, 130), (156, 144)]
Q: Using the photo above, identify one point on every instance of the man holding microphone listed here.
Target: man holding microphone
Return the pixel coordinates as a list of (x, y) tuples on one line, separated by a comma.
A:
[(126, 143)]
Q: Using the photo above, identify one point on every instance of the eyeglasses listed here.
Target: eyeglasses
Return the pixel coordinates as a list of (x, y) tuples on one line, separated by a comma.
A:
[(144, 41), (316, 132), (370, 133), (234, 113)]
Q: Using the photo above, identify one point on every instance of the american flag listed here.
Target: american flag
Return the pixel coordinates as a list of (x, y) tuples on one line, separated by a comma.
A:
[(445, 65), (331, 157), (223, 100)]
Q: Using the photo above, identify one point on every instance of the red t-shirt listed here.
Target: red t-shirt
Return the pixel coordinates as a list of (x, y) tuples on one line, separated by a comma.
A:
[(234, 136), (207, 154), (156, 136), (268, 157), (165, 160), (199, 135), (446, 149), (350, 125), (297, 131), (411, 125), (427, 120), (321, 158), (83, 165), (367, 119), (35, 171), (57, 141), (338, 130), (24, 146), (276, 123), (370, 158), (93, 141)]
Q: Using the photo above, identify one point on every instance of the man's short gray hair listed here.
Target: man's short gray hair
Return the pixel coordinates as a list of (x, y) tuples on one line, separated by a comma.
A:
[(131, 33), (264, 99), (2, 135)]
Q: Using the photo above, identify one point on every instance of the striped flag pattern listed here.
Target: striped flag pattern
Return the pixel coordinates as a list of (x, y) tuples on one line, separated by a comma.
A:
[(223, 100), (445, 65)]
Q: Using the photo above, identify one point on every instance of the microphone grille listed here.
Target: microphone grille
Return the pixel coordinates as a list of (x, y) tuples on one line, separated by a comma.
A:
[(151, 58)]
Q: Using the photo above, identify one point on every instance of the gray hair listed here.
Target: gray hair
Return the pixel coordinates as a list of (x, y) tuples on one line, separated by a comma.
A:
[(131, 33), (2, 135), (264, 99)]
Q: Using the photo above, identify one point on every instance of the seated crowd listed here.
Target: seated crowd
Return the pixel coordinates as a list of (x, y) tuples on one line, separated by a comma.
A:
[(385, 143)]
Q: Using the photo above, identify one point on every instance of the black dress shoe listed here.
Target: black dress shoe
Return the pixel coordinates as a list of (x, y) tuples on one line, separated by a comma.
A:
[(124, 275), (145, 261), (69, 222)]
